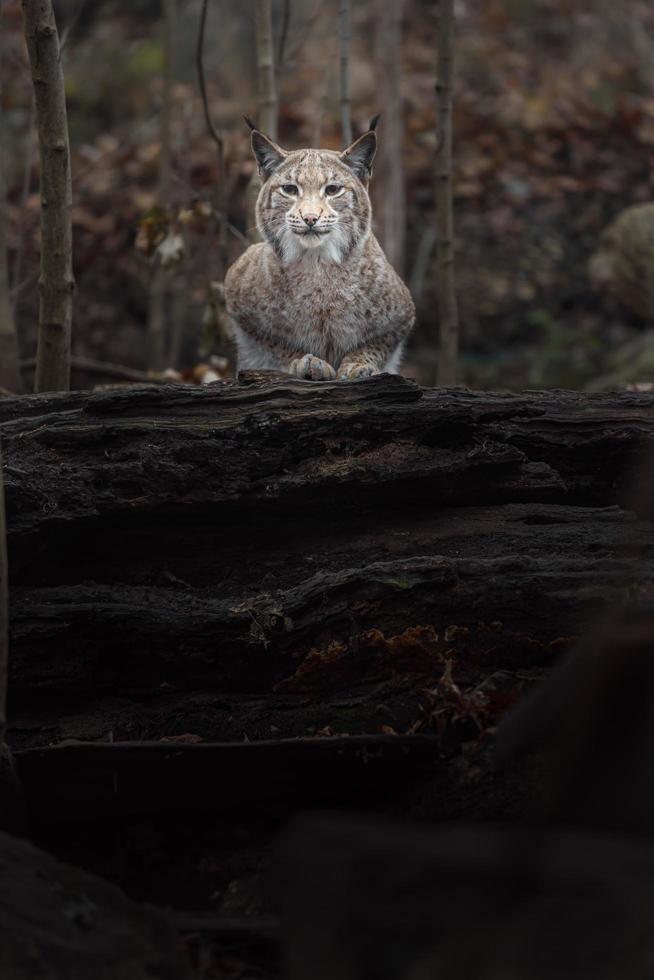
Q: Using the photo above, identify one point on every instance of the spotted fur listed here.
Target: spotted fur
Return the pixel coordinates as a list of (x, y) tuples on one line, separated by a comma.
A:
[(317, 297)]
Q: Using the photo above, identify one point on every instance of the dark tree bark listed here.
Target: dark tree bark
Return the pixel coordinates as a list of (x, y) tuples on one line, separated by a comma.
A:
[(214, 536)]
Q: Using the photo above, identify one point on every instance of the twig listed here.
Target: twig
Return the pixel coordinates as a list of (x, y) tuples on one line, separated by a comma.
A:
[(232, 229), (71, 26), (89, 364)]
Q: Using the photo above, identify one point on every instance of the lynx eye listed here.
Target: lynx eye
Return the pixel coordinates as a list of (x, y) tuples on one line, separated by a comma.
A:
[(291, 189), (332, 189)]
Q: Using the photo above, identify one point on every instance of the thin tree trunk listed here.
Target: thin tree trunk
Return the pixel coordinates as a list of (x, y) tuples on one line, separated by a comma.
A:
[(56, 281), (344, 37), (158, 304), (322, 107), (9, 367), (390, 187), (222, 197), (266, 86), (283, 35), (266, 97), (447, 304), (17, 282)]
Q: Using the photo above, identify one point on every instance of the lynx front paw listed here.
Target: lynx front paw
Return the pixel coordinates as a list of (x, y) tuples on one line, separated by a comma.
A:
[(352, 371), (312, 368)]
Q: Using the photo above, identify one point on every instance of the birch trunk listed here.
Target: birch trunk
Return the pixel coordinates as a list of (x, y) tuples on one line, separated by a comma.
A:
[(266, 98), (56, 282), (9, 368), (390, 197), (344, 37), (447, 304)]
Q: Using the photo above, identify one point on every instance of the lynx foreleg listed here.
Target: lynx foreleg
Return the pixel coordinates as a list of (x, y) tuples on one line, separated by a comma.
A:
[(371, 359), (312, 368), (271, 353)]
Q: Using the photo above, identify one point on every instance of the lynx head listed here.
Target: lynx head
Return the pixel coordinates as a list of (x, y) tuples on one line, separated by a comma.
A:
[(314, 202)]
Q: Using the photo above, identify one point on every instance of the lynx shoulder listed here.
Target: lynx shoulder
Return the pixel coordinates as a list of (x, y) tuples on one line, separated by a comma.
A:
[(317, 298)]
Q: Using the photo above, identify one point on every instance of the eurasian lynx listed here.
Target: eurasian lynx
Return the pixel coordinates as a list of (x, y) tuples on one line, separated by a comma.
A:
[(317, 298)]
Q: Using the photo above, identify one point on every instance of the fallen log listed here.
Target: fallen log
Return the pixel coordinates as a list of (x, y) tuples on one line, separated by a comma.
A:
[(274, 558), (225, 535), (89, 639), (141, 450)]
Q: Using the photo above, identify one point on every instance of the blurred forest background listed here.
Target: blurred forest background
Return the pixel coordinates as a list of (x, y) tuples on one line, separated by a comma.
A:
[(553, 140)]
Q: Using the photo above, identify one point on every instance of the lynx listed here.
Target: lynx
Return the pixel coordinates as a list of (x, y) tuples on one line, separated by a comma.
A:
[(317, 298)]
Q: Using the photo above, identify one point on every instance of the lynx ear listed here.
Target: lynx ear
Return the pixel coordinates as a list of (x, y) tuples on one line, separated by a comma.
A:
[(267, 154), (360, 154)]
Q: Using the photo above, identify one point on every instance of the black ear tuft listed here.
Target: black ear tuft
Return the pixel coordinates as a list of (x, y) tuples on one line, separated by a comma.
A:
[(267, 154), (359, 156), (250, 123), (373, 122)]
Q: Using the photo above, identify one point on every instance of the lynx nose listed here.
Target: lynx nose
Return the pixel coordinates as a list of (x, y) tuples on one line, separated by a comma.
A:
[(310, 219)]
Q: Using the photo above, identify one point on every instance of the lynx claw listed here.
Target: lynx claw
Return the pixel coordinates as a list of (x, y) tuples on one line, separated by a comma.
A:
[(312, 368), (354, 371)]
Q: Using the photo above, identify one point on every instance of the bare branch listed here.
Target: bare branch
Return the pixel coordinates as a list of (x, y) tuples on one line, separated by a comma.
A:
[(120, 372), (70, 26)]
